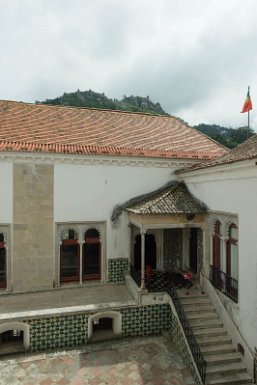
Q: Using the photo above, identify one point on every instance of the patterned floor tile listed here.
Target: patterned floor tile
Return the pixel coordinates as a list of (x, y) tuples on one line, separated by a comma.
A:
[(138, 361)]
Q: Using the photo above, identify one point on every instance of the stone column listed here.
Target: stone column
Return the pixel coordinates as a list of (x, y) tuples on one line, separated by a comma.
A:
[(142, 232), (81, 243)]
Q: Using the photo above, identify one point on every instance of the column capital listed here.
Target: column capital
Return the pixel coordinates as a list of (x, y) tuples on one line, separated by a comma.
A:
[(143, 231)]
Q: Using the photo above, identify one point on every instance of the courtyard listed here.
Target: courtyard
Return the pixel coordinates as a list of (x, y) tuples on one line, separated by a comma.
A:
[(131, 361)]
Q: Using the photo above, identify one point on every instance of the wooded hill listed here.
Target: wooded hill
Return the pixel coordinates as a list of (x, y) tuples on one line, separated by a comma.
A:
[(95, 100), (229, 137)]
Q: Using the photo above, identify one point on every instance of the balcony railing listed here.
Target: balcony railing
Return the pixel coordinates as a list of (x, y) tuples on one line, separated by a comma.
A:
[(135, 275), (157, 282), (194, 347), (224, 283)]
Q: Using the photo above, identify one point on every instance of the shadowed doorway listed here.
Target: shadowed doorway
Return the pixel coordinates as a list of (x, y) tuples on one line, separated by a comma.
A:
[(150, 251)]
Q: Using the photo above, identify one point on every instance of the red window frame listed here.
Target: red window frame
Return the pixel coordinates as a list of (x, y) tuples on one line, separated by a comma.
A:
[(216, 246), (230, 241)]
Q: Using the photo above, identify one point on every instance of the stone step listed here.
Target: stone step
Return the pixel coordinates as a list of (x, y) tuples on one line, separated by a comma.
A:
[(189, 297), (202, 316), (218, 349), (237, 367), (229, 379), (215, 359), (199, 309), (208, 340), (210, 332), (186, 302), (224, 364), (205, 323)]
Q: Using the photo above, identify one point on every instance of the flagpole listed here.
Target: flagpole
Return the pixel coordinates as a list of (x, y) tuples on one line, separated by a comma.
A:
[(246, 108), (247, 134), (248, 117)]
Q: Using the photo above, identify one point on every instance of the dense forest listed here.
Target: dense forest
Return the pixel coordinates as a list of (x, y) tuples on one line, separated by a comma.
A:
[(229, 137)]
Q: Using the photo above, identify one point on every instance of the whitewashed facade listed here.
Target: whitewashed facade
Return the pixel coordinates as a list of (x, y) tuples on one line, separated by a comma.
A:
[(229, 191)]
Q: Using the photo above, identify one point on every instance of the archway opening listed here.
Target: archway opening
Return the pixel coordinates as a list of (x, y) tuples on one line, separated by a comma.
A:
[(150, 251), (104, 326), (193, 245), (11, 342), (103, 329)]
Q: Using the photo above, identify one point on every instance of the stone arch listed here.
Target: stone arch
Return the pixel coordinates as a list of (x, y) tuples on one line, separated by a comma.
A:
[(69, 232), (214, 222), (227, 229), (92, 232), (22, 326), (114, 315)]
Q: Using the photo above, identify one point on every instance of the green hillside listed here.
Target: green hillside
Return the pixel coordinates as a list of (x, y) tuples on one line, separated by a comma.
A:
[(93, 99)]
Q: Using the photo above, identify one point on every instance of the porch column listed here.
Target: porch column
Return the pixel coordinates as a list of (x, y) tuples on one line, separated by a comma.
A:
[(142, 232), (80, 261)]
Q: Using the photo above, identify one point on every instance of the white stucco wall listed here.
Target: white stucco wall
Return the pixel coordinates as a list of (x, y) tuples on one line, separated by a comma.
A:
[(90, 192), (233, 189), (6, 196)]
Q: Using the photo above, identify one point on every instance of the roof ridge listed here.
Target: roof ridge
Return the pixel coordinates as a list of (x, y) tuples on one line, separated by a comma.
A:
[(91, 109)]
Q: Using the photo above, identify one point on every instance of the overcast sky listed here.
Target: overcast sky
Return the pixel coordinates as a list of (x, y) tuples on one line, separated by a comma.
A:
[(195, 57)]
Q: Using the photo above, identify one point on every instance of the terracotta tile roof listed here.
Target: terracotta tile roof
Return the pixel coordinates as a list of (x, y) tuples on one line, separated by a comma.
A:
[(173, 198), (176, 199), (245, 151), (44, 128)]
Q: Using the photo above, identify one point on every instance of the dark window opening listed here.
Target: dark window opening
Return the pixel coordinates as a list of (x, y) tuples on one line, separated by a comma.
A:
[(91, 258), (12, 336), (150, 251), (103, 324), (193, 250), (69, 259), (2, 262)]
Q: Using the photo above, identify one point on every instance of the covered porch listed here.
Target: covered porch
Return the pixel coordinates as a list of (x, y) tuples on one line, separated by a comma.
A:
[(167, 238)]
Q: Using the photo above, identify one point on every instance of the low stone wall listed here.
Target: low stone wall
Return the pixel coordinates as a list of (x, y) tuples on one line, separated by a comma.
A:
[(180, 344), (67, 331)]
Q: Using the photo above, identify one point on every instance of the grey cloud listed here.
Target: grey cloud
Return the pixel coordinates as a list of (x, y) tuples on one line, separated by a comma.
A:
[(185, 55)]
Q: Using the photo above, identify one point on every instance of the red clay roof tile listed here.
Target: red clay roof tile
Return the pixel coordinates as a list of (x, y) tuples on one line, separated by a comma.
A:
[(244, 151), (58, 129)]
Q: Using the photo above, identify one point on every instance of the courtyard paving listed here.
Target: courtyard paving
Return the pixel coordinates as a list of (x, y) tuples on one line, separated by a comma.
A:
[(64, 296), (133, 361)]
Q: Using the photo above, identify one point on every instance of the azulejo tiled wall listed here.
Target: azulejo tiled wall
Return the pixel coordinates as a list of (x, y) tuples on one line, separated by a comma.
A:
[(67, 331), (146, 320), (178, 339), (117, 267), (58, 332)]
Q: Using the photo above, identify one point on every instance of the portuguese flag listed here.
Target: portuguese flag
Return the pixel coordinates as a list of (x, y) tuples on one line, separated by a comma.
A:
[(248, 103)]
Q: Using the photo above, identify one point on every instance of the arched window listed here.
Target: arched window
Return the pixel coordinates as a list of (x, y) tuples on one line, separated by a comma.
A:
[(91, 258), (232, 263), (69, 258), (216, 245), (2, 262), (232, 252)]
